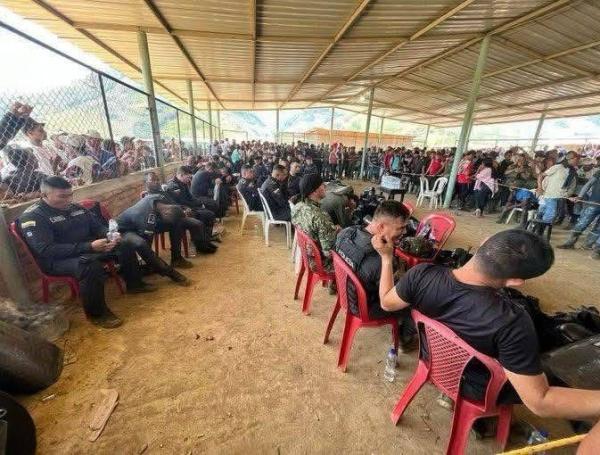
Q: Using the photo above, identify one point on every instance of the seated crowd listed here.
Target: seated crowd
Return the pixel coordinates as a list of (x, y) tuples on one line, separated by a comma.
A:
[(67, 239)]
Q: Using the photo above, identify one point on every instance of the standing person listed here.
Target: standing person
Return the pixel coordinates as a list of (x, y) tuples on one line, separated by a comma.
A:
[(555, 183), (293, 183), (485, 186), (274, 191), (66, 239), (49, 161), (333, 162), (589, 193), (463, 178)]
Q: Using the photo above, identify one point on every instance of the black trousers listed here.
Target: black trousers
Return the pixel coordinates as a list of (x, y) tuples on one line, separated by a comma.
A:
[(89, 271), (207, 217), (481, 197), (144, 250)]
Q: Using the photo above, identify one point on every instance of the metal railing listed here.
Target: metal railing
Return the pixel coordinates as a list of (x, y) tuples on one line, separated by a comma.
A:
[(92, 127)]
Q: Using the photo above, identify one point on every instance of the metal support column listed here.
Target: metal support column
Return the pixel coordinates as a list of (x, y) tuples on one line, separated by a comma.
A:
[(10, 266), (149, 86), (537, 132), (103, 93), (277, 126), (426, 136), (179, 136), (192, 111), (380, 132), (219, 123), (331, 126), (210, 124), (465, 131), (365, 149)]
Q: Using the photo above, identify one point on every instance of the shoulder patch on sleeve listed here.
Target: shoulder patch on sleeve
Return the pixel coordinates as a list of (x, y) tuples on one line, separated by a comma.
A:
[(27, 224)]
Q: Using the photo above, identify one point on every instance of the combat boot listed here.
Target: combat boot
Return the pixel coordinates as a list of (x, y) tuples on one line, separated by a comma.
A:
[(570, 242)]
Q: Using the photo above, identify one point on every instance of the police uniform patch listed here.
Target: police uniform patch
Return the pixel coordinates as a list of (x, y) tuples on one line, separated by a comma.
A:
[(27, 224), (29, 234), (77, 212), (57, 219)]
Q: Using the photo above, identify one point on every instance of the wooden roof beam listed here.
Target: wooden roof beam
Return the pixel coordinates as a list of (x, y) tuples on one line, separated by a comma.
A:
[(343, 29), (159, 16)]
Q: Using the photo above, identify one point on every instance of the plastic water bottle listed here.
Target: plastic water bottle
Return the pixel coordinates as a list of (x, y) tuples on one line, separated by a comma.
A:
[(537, 437), (389, 374), (113, 230)]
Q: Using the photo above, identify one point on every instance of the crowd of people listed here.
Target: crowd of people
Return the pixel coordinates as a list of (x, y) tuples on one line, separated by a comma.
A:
[(300, 183), (82, 159)]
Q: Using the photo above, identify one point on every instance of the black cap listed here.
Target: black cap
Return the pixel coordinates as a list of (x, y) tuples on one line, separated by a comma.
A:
[(309, 183)]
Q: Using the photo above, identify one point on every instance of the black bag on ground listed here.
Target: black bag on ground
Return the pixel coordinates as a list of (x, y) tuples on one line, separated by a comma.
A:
[(17, 430), (28, 363)]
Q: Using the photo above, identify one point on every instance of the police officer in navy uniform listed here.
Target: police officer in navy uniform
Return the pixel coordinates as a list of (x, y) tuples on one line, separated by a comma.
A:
[(249, 190), (275, 192), (66, 239), (179, 189)]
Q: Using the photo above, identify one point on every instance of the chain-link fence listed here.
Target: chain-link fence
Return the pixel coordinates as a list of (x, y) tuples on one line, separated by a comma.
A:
[(71, 120)]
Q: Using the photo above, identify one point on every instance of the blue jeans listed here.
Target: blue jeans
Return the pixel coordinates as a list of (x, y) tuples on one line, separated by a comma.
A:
[(592, 240), (587, 217), (547, 210)]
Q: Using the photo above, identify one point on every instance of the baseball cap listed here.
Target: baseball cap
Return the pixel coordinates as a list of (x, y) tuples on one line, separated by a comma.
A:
[(30, 124)]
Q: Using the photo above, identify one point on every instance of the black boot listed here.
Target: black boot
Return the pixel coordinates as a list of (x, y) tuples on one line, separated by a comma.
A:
[(570, 242)]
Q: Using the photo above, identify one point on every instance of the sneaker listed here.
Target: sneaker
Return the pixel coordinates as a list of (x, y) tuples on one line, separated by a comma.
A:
[(141, 288), (218, 229), (478, 213), (178, 278), (181, 263), (107, 321), (445, 402)]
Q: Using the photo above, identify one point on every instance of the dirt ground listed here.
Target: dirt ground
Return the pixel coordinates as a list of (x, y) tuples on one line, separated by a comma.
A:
[(230, 364)]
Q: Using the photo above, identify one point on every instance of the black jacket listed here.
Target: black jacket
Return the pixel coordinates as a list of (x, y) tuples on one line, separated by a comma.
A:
[(203, 183), (249, 192), (141, 217), (293, 185), (54, 234), (10, 125), (275, 194), (180, 193)]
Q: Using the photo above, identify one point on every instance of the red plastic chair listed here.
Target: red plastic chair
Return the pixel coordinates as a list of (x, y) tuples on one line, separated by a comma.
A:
[(160, 237), (47, 280), (343, 275), (409, 206), (311, 253), (442, 226), (447, 358)]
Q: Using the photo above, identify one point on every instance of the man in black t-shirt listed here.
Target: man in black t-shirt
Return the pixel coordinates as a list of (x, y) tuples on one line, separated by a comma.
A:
[(467, 301)]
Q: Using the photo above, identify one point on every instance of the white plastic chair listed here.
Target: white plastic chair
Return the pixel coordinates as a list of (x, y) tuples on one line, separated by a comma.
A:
[(247, 212), (423, 190), (269, 220), (434, 195)]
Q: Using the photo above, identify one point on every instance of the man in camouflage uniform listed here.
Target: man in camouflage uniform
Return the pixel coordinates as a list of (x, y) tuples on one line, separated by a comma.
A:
[(308, 216)]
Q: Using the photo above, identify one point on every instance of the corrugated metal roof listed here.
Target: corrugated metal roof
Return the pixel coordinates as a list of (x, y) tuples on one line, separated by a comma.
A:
[(418, 54)]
